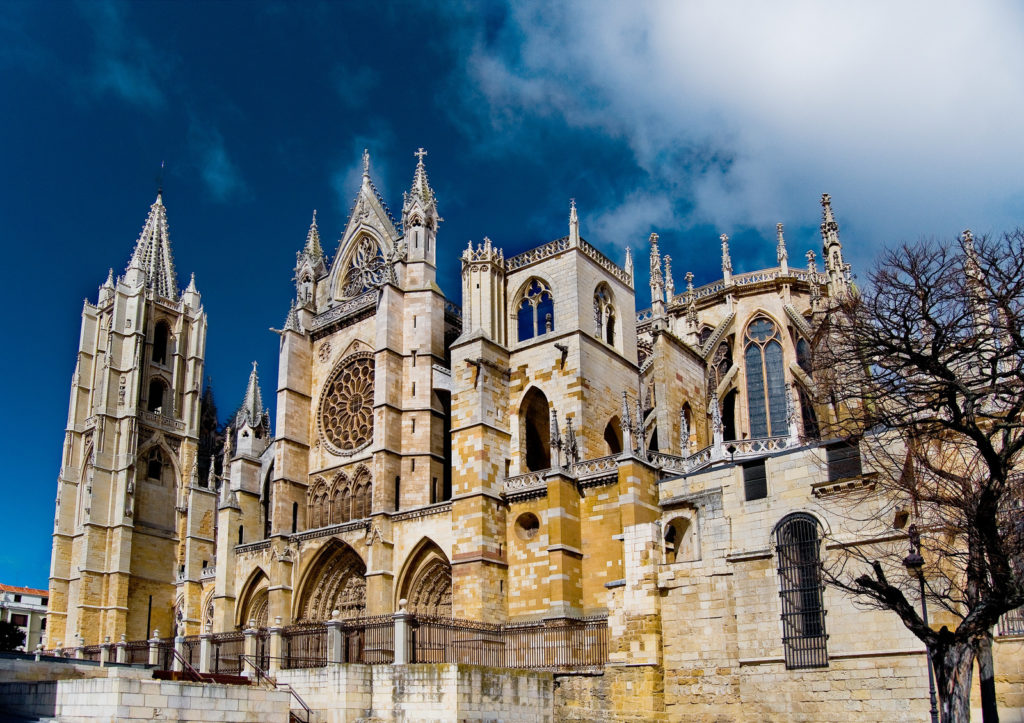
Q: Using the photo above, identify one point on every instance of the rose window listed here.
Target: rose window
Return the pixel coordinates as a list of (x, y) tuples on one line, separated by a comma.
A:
[(346, 408)]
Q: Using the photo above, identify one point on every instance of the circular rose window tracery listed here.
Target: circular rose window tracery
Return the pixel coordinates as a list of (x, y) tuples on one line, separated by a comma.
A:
[(346, 408)]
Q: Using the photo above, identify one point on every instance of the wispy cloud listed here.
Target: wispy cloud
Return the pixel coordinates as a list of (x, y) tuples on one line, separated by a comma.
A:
[(354, 84), (218, 171), (741, 114), (346, 180), (125, 64)]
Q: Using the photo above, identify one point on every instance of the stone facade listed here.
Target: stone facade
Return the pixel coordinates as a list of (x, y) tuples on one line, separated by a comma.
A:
[(543, 452)]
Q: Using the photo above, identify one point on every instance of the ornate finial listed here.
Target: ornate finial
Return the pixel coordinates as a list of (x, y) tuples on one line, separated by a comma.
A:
[(366, 163), (656, 279), (313, 248), (110, 278), (670, 285), (192, 283), (780, 249), (419, 155), (689, 282), (811, 266), (684, 432), (716, 415), (628, 265), (572, 450), (726, 260)]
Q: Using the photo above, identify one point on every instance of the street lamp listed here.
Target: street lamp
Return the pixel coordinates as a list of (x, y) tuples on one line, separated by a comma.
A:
[(915, 566)]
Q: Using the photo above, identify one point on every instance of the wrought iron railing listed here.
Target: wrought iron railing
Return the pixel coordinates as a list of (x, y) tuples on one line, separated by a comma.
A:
[(91, 652), (137, 652), (1012, 623), (304, 646), (448, 640), (368, 640), (190, 650), (227, 650)]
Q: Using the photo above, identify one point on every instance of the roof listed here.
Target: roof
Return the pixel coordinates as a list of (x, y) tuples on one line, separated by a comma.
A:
[(24, 590)]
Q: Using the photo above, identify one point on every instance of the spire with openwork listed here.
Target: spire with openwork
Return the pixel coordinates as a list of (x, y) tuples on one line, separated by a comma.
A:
[(832, 250), (419, 207), (310, 266), (152, 255), (252, 413)]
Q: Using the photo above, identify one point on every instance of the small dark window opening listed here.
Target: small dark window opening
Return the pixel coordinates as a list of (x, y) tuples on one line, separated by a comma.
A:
[(160, 339), (755, 481), (156, 396), (729, 416), (295, 517), (843, 460), (798, 544), (155, 465), (398, 493), (536, 430), (807, 413), (613, 436), (240, 537)]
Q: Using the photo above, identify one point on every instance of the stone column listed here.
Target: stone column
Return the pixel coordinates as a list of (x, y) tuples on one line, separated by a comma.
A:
[(122, 649), (402, 633), (206, 651), (250, 649), (154, 649), (276, 647)]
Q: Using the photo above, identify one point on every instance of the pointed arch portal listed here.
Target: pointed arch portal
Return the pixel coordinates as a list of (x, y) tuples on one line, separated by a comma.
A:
[(336, 580)]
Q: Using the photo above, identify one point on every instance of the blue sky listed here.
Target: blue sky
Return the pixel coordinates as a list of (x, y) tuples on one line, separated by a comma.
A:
[(689, 119)]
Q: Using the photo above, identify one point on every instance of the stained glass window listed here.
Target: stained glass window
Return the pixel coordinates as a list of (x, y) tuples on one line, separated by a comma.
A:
[(766, 379)]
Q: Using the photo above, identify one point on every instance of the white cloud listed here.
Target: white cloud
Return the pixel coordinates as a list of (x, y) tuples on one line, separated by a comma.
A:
[(125, 64), (741, 114), (218, 171)]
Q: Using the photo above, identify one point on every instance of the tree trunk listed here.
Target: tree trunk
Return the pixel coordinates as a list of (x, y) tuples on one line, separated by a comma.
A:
[(986, 679), (953, 664)]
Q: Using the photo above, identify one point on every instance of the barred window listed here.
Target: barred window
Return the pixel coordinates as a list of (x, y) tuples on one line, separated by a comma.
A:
[(755, 481), (843, 460), (798, 543)]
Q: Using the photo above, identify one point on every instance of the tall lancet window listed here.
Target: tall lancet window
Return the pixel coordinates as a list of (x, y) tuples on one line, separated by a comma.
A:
[(604, 314), (536, 313), (766, 379)]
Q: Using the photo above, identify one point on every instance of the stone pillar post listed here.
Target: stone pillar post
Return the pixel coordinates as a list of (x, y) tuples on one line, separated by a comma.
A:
[(335, 643), (402, 651), (206, 652), (276, 647), (250, 649), (105, 651), (122, 649), (179, 648), (154, 649)]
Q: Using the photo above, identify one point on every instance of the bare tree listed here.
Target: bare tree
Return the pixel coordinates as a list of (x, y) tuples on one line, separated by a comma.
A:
[(925, 369)]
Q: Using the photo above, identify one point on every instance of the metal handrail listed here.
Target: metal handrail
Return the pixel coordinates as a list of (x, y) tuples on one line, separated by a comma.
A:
[(186, 666), (263, 675)]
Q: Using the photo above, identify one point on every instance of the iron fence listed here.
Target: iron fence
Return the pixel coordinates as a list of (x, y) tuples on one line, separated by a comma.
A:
[(448, 640), (304, 646), (190, 650), (227, 649), (137, 652), (91, 652), (557, 644)]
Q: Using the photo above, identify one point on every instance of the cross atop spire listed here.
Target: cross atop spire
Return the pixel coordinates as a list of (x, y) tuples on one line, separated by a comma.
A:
[(420, 154), (152, 254), (419, 207)]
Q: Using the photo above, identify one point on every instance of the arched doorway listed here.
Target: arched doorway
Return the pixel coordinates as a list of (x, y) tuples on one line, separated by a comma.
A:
[(535, 430), (613, 436), (335, 580), (427, 582)]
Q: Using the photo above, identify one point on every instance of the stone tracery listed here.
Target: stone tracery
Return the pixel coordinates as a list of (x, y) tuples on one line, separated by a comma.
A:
[(336, 581), (346, 406)]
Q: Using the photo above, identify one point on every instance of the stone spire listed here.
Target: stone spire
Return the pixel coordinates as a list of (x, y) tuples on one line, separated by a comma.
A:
[(152, 255), (726, 261), (657, 282), (420, 197), (975, 285), (832, 250), (574, 224), (628, 266), (251, 412), (670, 285), (107, 289), (780, 250), (312, 249)]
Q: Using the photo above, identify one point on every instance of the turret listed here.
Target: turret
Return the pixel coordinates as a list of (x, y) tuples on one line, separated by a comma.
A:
[(483, 291), (420, 221), (309, 268), (838, 272)]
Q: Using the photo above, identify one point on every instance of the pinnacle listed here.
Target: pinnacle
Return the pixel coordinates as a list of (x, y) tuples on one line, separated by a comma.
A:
[(152, 252), (313, 248), (251, 412)]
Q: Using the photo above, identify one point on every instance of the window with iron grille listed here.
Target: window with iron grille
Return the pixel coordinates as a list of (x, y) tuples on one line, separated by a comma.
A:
[(755, 481), (798, 544), (843, 460)]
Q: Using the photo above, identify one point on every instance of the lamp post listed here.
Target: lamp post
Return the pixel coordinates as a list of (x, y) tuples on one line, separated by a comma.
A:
[(915, 566)]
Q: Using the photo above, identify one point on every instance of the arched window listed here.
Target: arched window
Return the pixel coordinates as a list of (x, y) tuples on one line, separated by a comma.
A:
[(604, 314), (535, 430), (766, 379), (536, 313), (161, 335), (680, 541), (157, 391), (361, 495), (341, 502), (613, 436), (798, 544)]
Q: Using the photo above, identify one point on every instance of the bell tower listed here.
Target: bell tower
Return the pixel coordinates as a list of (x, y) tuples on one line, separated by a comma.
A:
[(130, 462)]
